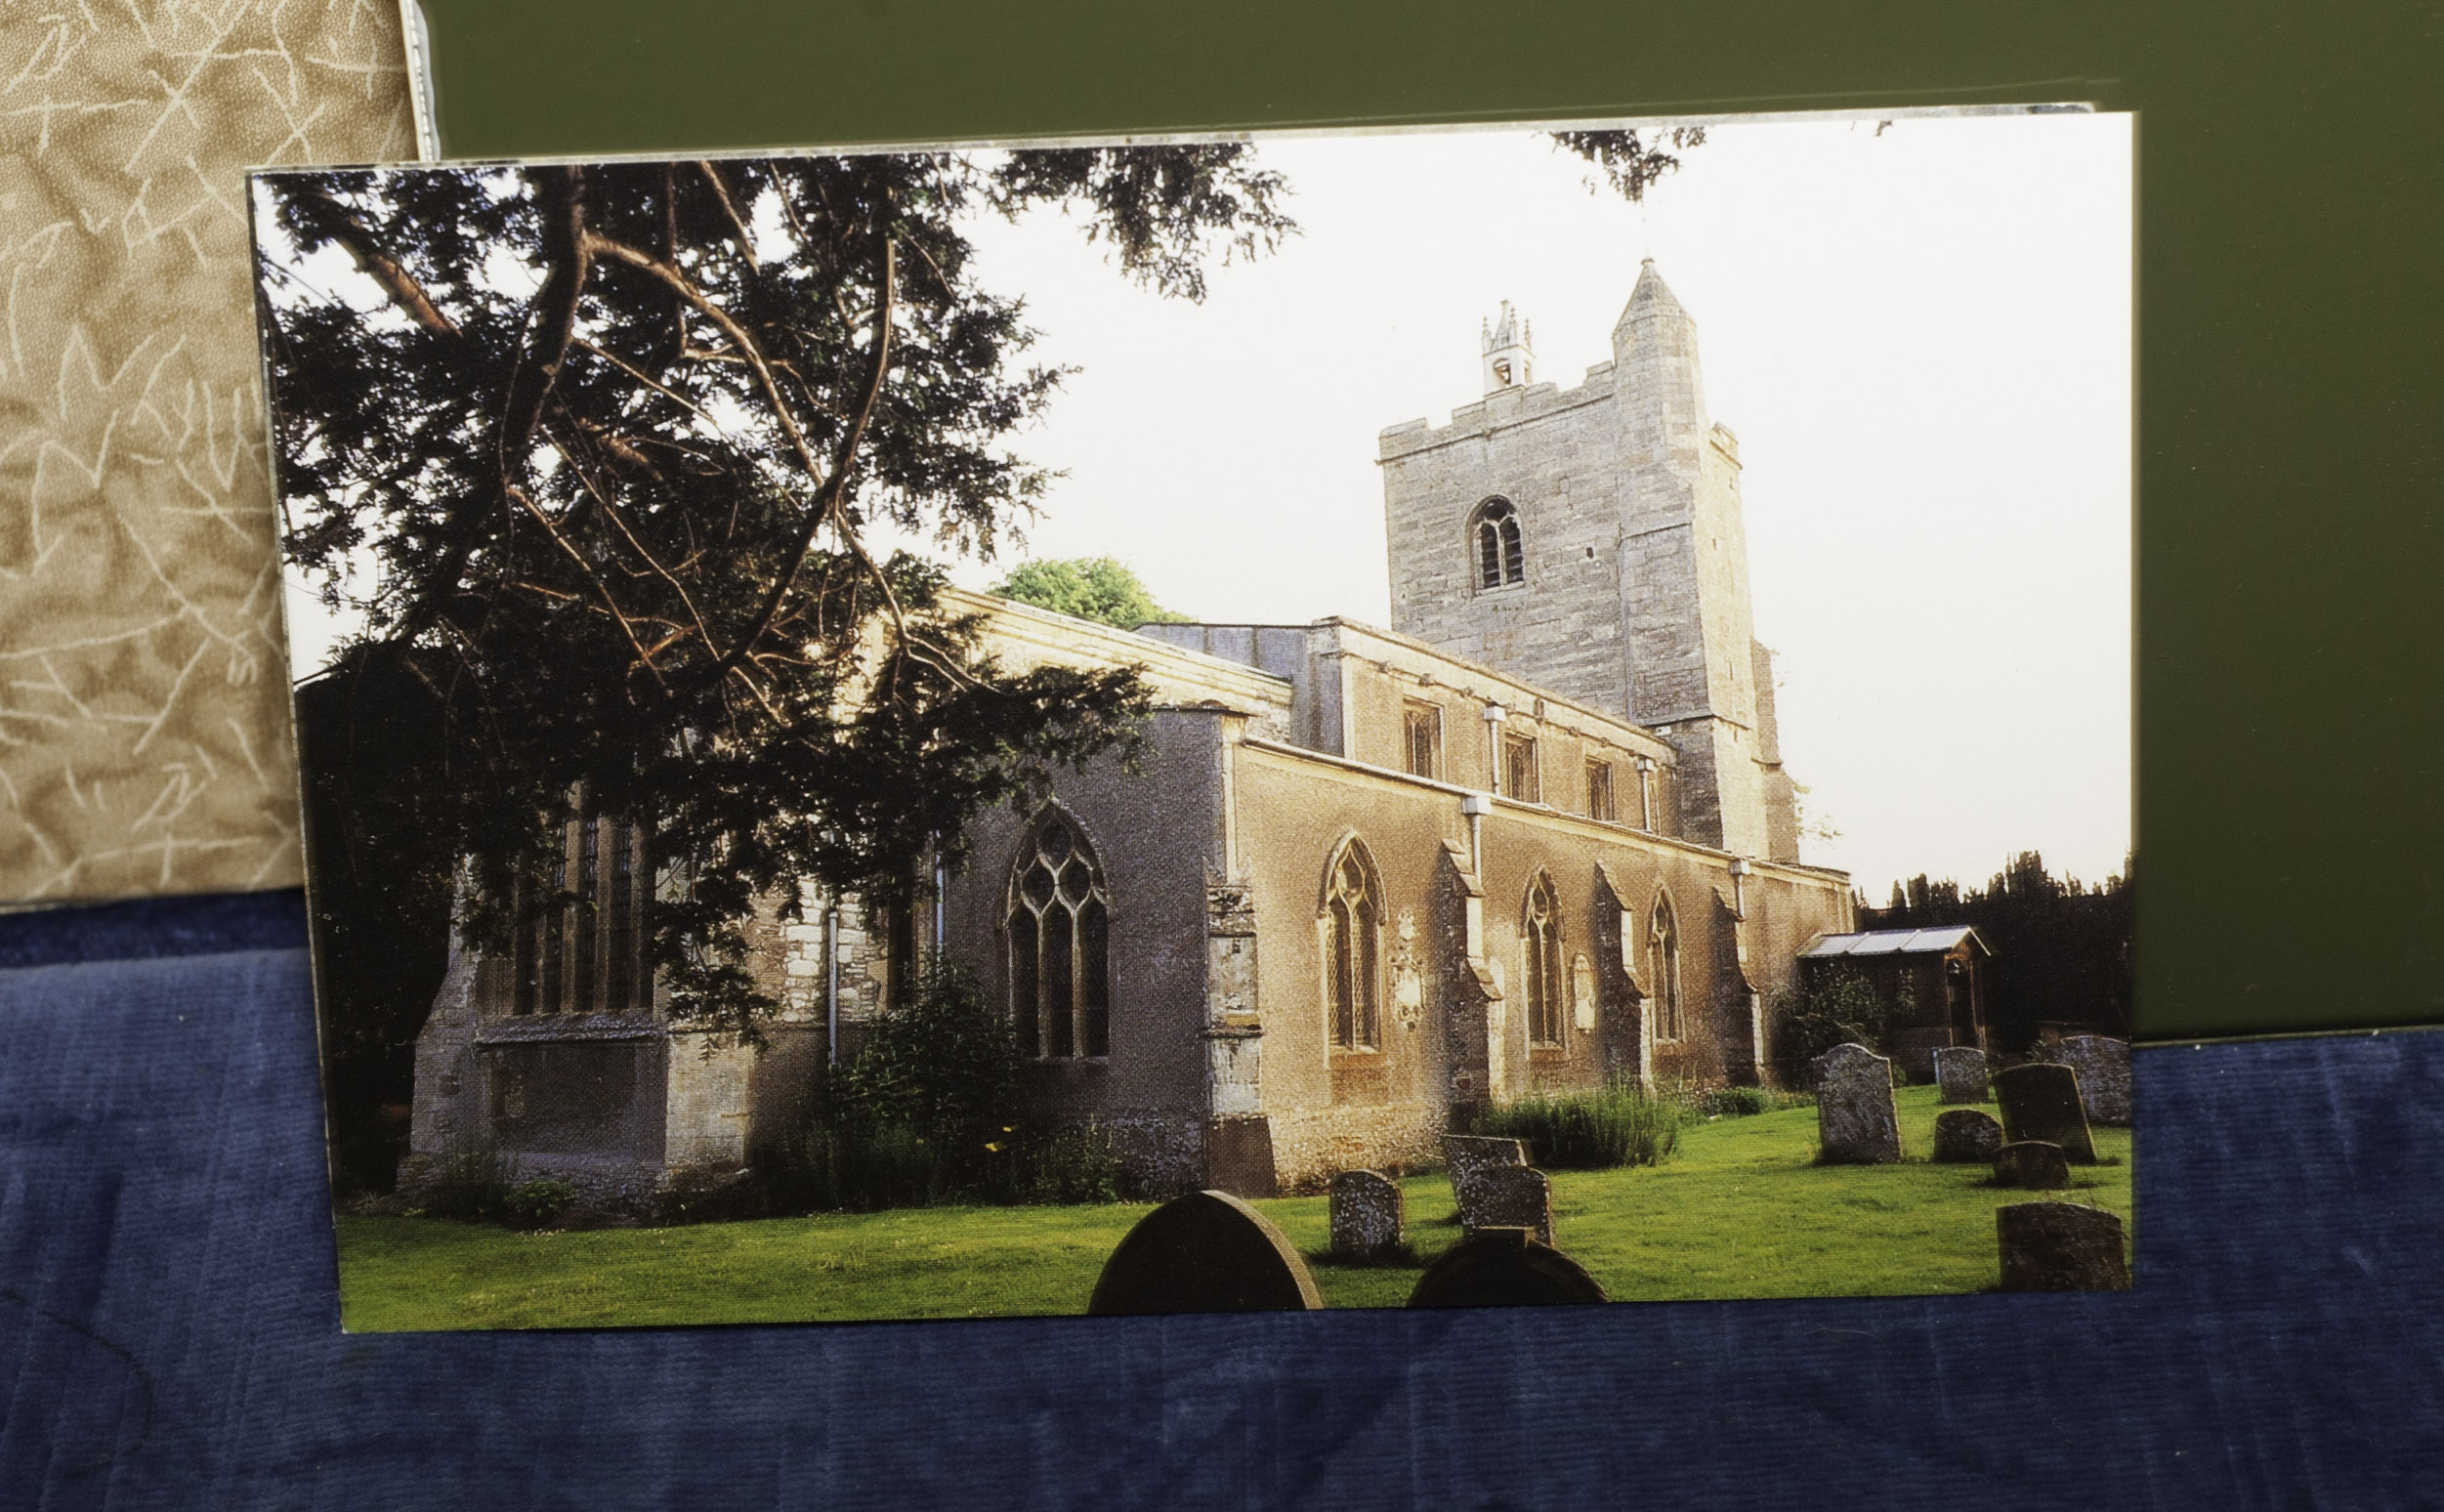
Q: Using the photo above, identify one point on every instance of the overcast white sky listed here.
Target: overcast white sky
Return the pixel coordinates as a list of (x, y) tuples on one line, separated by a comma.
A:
[(1922, 338)]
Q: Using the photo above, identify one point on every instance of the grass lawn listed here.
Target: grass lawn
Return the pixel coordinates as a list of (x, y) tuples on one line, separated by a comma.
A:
[(1740, 1213)]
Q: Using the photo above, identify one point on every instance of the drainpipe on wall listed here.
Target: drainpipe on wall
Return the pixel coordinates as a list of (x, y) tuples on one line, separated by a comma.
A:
[(941, 880), (1738, 891), (1646, 792), (831, 980), (1476, 805), (1494, 714)]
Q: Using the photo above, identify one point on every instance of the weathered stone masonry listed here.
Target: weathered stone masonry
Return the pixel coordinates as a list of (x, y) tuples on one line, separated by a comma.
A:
[(1535, 835)]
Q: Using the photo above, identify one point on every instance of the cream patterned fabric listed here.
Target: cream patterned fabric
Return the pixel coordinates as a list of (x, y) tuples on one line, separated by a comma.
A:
[(144, 714)]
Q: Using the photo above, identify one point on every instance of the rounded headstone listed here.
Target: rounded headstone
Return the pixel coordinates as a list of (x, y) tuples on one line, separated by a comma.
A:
[(2039, 1101), (1964, 1134), (1369, 1215), (2032, 1163), (1960, 1073), (2060, 1246), (1503, 1268), (1206, 1252), (1856, 1123)]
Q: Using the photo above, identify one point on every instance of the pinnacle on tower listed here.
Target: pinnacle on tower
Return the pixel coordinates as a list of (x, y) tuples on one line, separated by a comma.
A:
[(1655, 349), (1509, 350), (1651, 300)]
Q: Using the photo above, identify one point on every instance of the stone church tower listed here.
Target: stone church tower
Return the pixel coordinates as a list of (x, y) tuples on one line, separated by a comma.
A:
[(1589, 540)]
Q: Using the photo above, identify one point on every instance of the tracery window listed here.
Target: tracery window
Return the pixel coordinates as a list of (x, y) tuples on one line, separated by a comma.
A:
[(1500, 557), (1352, 930), (556, 936), (1059, 923), (588, 952), (1663, 963), (1539, 934), (589, 905)]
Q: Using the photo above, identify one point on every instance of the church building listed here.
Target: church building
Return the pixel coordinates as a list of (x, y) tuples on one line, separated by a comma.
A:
[(1535, 833)]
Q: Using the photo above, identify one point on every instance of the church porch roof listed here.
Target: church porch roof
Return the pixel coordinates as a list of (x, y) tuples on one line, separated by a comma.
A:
[(1895, 942)]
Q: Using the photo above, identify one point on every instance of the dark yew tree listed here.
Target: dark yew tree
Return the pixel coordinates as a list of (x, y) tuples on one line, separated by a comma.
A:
[(616, 440), (2062, 948)]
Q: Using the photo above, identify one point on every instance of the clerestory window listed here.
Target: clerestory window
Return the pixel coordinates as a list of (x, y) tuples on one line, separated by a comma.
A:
[(1522, 773), (1501, 558), (1421, 729), (1600, 804), (1059, 923)]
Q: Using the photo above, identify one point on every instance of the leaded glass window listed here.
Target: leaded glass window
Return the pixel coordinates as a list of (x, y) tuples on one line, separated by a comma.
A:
[(1539, 933), (1663, 963), (1060, 924), (1351, 935)]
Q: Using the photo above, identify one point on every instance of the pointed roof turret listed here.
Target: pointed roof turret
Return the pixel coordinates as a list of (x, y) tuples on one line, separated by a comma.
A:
[(1652, 297), (1656, 359)]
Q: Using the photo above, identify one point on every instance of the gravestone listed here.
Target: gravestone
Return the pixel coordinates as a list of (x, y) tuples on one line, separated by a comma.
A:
[(1206, 1252), (2041, 1102), (1469, 1156), (1503, 1268), (2060, 1246), (1239, 1156), (1370, 1216), (2104, 1074), (2034, 1164), (1511, 1197), (1966, 1135), (1960, 1073), (1855, 1121)]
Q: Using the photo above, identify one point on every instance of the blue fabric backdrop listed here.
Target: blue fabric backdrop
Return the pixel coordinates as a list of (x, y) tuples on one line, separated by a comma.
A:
[(169, 1333)]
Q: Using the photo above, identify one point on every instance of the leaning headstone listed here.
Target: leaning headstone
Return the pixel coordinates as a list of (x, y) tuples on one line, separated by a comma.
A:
[(1503, 1268), (2060, 1246), (2034, 1164), (1206, 1252), (1855, 1120), (1960, 1073), (1469, 1156), (2041, 1102), (1370, 1216), (1967, 1135), (1511, 1197), (2104, 1074)]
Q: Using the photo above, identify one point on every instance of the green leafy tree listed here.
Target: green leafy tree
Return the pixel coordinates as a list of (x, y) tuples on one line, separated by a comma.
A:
[(943, 1066), (1097, 588), (1835, 1007)]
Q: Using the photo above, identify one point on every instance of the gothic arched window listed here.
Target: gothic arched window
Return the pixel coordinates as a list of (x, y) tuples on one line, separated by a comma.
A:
[(1059, 945), (1662, 964), (1352, 919), (1500, 558), (1540, 938)]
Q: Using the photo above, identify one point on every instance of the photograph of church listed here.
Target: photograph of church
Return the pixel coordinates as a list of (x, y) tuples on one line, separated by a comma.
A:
[(909, 752), (1533, 834)]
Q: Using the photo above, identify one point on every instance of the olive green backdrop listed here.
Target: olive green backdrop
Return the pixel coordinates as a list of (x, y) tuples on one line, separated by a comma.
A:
[(2291, 231)]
